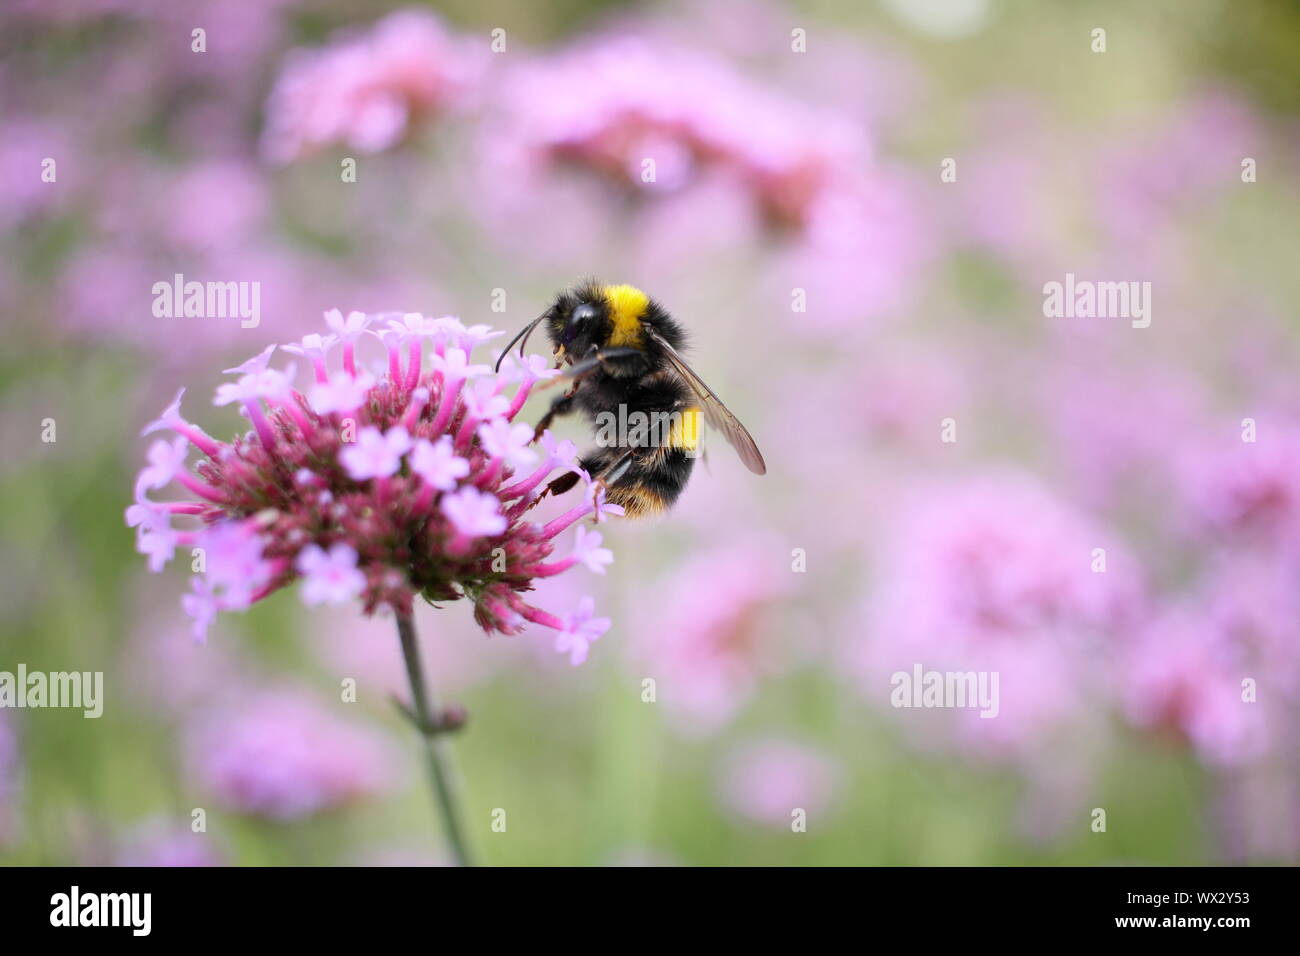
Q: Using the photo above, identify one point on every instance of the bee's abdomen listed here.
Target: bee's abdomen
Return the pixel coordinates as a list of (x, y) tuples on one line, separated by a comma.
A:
[(650, 485)]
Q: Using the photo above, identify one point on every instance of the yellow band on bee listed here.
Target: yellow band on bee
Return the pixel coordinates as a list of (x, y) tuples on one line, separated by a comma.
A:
[(626, 306), (685, 432)]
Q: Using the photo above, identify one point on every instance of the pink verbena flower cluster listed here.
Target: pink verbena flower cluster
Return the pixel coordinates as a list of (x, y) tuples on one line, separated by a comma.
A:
[(159, 842), (997, 574), (706, 645), (610, 103), (764, 780), (365, 90), (370, 486), (1217, 666), (849, 227), (282, 755)]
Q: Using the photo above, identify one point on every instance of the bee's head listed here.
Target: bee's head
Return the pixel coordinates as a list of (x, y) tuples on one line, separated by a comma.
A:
[(578, 322), (596, 316)]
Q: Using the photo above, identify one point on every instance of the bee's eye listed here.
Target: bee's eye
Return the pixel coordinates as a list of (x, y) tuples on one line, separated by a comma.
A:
[(582, 315), (579, 320)]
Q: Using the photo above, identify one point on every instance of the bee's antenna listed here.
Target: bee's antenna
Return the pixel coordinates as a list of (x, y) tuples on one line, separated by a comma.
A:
[(526, 331)]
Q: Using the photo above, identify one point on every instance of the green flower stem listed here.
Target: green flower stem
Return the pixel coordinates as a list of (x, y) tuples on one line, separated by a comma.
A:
[(435, 744)]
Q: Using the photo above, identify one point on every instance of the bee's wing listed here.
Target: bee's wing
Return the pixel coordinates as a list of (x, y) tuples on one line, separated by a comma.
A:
[(715, 413)]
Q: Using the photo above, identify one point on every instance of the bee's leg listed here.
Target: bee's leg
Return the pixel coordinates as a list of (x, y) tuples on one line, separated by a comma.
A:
[(617, 362), (618, 468), (604, 470), (560, 485), (575, 374), (623, 363), (561, 406), (606, 481)]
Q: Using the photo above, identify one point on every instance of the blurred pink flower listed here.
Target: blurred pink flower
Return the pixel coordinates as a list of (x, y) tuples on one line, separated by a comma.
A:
[(704, 649), (103, 289), (613, 101), (1247, 490), (365, 90), (1176, 163), (914, 387), (1002, 557), (1007, 189), (994, 574), (350, 645), (283, 754), (212, 203), (172, 676), (25, 145), (1112, 453), (862, 245), (1187, 672), (625, 109), (1004, 200), (766, 781), (1183, 675), (162, 843), (106, 289), (1250, 598)]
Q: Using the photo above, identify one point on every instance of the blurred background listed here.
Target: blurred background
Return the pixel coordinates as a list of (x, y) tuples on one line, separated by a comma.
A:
[(854, 207)]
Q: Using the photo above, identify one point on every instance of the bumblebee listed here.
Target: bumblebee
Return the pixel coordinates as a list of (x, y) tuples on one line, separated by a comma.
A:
[(621, 355)]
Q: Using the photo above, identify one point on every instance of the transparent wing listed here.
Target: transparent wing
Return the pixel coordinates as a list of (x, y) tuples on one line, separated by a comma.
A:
[(715, 413)]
